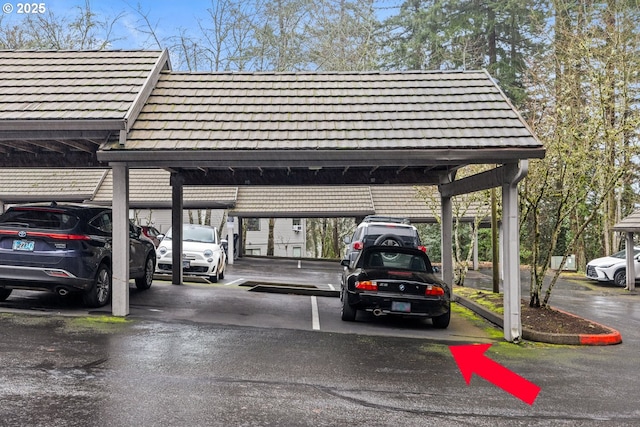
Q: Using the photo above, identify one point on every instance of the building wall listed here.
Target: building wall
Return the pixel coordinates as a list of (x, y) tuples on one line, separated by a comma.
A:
[(287, 241)]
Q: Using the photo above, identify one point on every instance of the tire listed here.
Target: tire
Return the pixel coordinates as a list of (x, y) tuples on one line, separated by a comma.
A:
[(214, 279), (221, 274), (348, 313), (388, 240), (100, 293), (442, 322), (4, 294), (143, 283), (620, 278)]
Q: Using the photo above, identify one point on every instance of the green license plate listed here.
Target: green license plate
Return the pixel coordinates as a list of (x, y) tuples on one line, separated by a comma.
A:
[(403, 307), (24, 245)]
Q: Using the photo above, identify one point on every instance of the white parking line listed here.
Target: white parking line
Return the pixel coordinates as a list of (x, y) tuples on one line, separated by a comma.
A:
[(315, 319), (235, 281), (331, 286)]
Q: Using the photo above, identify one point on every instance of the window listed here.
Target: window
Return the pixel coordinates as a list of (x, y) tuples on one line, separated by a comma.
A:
[(103, 222), (253, 224), (39, 218)]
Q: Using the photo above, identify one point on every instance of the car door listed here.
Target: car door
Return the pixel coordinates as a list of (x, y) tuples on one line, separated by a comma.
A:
[(137, 251)]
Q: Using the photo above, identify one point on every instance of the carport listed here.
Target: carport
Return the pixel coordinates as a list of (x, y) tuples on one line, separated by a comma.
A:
[(629, 226), (265, 129)]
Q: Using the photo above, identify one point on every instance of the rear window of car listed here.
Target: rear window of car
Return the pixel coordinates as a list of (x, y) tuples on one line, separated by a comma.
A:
[(39, 218), (391, 229), (392, 259)]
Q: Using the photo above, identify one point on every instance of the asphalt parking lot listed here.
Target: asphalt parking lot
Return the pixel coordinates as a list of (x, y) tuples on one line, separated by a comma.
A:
[(218, 354), (259, 292)]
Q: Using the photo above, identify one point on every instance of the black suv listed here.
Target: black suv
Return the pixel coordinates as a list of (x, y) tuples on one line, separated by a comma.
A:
[(382, 230), (67, 248)]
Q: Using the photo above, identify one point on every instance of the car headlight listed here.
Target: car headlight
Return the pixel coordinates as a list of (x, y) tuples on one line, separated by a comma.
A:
[(604, 266), (208, 253), (162, 250)]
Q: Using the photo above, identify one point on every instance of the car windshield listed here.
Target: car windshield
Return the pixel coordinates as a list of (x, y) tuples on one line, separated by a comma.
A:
[(623, 254), (393, 259), (196, 234), (51, 219)]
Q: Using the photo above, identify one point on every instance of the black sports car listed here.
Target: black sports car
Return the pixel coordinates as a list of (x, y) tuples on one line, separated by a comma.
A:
[(394, 280)]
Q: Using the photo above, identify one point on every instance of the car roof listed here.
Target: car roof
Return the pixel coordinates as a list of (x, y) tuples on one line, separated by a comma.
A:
[(387, 224), (385, 219)]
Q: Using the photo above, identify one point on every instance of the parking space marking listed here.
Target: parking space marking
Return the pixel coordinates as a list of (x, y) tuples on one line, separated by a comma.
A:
[(235, 281), (315, 319)]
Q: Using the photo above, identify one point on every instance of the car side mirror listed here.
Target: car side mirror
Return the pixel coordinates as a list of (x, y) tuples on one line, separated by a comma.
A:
[(225, 244), (160, 236), (345, 262)]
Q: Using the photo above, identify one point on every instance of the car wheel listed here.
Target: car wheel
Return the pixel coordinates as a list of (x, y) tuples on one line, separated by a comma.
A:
[(216, 277), (388, 240), (144, 282), (442, 322), (221, 274), (620, 278), (348, 313), (100, 293), (4, 294)]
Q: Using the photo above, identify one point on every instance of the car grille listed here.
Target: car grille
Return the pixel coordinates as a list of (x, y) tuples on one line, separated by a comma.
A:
[(191, 269), (591, 271)]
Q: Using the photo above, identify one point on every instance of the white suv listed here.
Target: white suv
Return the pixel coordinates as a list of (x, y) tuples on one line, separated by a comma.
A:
[(381, 230), (612, 268)]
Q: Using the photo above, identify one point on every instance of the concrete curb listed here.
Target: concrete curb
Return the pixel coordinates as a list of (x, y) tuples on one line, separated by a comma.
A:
[(279, 289), (610, 338)]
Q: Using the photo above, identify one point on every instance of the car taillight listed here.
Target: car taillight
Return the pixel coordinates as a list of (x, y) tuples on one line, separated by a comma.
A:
[(55, 236), (434, 291), (367, 285), (357, 246), (423, 248)]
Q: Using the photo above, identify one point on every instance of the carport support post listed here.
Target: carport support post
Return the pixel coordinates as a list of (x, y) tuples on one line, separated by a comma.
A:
[(631, 260), (511, 252), (446, 206), (176, 228), (120, 262)]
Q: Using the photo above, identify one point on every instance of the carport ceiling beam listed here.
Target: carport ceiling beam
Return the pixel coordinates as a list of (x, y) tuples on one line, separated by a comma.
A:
[(482, 181), (304, 176), (315, 158)]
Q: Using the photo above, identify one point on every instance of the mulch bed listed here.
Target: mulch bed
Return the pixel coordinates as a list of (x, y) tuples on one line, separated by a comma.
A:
[(547, 320)]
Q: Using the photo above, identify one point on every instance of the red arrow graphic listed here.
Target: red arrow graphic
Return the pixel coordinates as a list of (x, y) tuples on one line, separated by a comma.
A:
[(471, 359)]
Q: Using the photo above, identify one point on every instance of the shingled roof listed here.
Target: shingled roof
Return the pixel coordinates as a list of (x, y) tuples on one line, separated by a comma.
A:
[(629, 224), (57, 107), (403, 127)]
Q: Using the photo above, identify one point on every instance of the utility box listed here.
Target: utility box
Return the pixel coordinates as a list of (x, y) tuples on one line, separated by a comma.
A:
[(569, 265)]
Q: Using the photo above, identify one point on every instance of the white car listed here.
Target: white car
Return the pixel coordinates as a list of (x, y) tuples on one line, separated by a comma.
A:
[(203, 254), (612, 268)]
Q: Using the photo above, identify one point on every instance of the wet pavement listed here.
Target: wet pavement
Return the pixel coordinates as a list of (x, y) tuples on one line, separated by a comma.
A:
[(189, 366)]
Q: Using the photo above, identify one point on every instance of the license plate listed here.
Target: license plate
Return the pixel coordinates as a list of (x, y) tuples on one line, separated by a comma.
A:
[(23, 245), (404, 307), (186, 264)]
